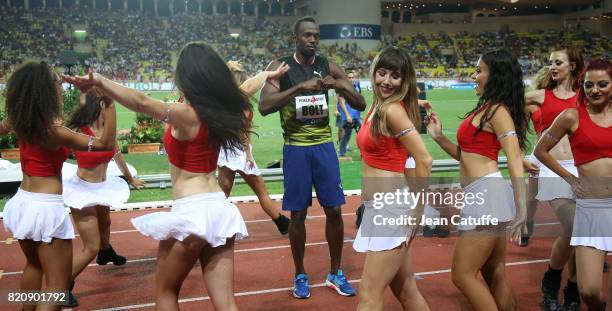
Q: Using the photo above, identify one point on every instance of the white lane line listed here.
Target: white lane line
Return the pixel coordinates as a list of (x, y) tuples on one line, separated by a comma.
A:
[(247, 250), (282, 246), (284, 289), (11, 240)]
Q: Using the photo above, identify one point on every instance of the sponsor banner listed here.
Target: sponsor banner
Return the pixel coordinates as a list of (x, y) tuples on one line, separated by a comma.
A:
[(463, 86), (141, 86), (149, 86), (349, 32), (365, 85), (437, 83)]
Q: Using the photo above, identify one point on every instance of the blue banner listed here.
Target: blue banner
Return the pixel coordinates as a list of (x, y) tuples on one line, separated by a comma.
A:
[(463, 86), (349, 31)]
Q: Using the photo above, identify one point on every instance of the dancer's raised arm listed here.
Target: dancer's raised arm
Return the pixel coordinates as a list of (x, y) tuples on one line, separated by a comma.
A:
[(106, 141), (174, 114), (254, 84)]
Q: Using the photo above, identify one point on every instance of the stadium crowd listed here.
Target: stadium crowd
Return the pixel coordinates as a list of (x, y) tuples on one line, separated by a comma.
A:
[(142, 47)]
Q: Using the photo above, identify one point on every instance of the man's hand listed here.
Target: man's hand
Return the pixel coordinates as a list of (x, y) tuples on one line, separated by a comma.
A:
[(313, 85), (329, 82)]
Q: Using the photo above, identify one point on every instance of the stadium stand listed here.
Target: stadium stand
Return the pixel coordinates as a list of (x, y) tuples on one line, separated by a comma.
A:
[(141, 47)]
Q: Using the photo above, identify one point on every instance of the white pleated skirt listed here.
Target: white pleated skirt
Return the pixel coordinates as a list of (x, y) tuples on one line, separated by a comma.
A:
[(209, 216), (497, 201), (593, 224), (78, 193), (39, 217), (410, 163), (377, 234), (551, 186), (236, 160)]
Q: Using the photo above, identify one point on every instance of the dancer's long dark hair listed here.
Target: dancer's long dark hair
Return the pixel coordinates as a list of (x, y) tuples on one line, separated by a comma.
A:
[(504, 86), (209, 87), (33, 101), (87, 114)]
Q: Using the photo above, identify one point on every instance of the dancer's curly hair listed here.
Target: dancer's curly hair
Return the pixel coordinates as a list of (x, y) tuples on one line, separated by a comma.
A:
[(33, 99)]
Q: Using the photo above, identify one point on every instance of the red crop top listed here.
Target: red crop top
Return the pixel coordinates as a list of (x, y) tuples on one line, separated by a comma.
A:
[(480, 142), (536, 119), (36, 161), (553, 106), (198, 155), (91, 159), (385, 153), (589, 141)]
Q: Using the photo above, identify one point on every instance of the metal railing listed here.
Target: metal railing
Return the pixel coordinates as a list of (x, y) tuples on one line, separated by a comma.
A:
[(163, 181)]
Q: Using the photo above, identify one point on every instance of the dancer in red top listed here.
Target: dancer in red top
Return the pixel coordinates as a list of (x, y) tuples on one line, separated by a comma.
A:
[(386, 138), (36, 215), (532, 166), (497, 122), (560, 94), (589, 127), (202, 223), (241, 160), (90, 192)]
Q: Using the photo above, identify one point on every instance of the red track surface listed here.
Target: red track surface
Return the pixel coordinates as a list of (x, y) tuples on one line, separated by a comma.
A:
[(264, 268)]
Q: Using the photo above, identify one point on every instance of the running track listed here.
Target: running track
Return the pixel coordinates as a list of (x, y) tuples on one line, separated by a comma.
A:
[(264, 268)]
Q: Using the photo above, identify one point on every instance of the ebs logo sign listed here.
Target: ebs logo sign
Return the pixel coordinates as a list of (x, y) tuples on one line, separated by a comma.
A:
[(345, 33), (350, 31)]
